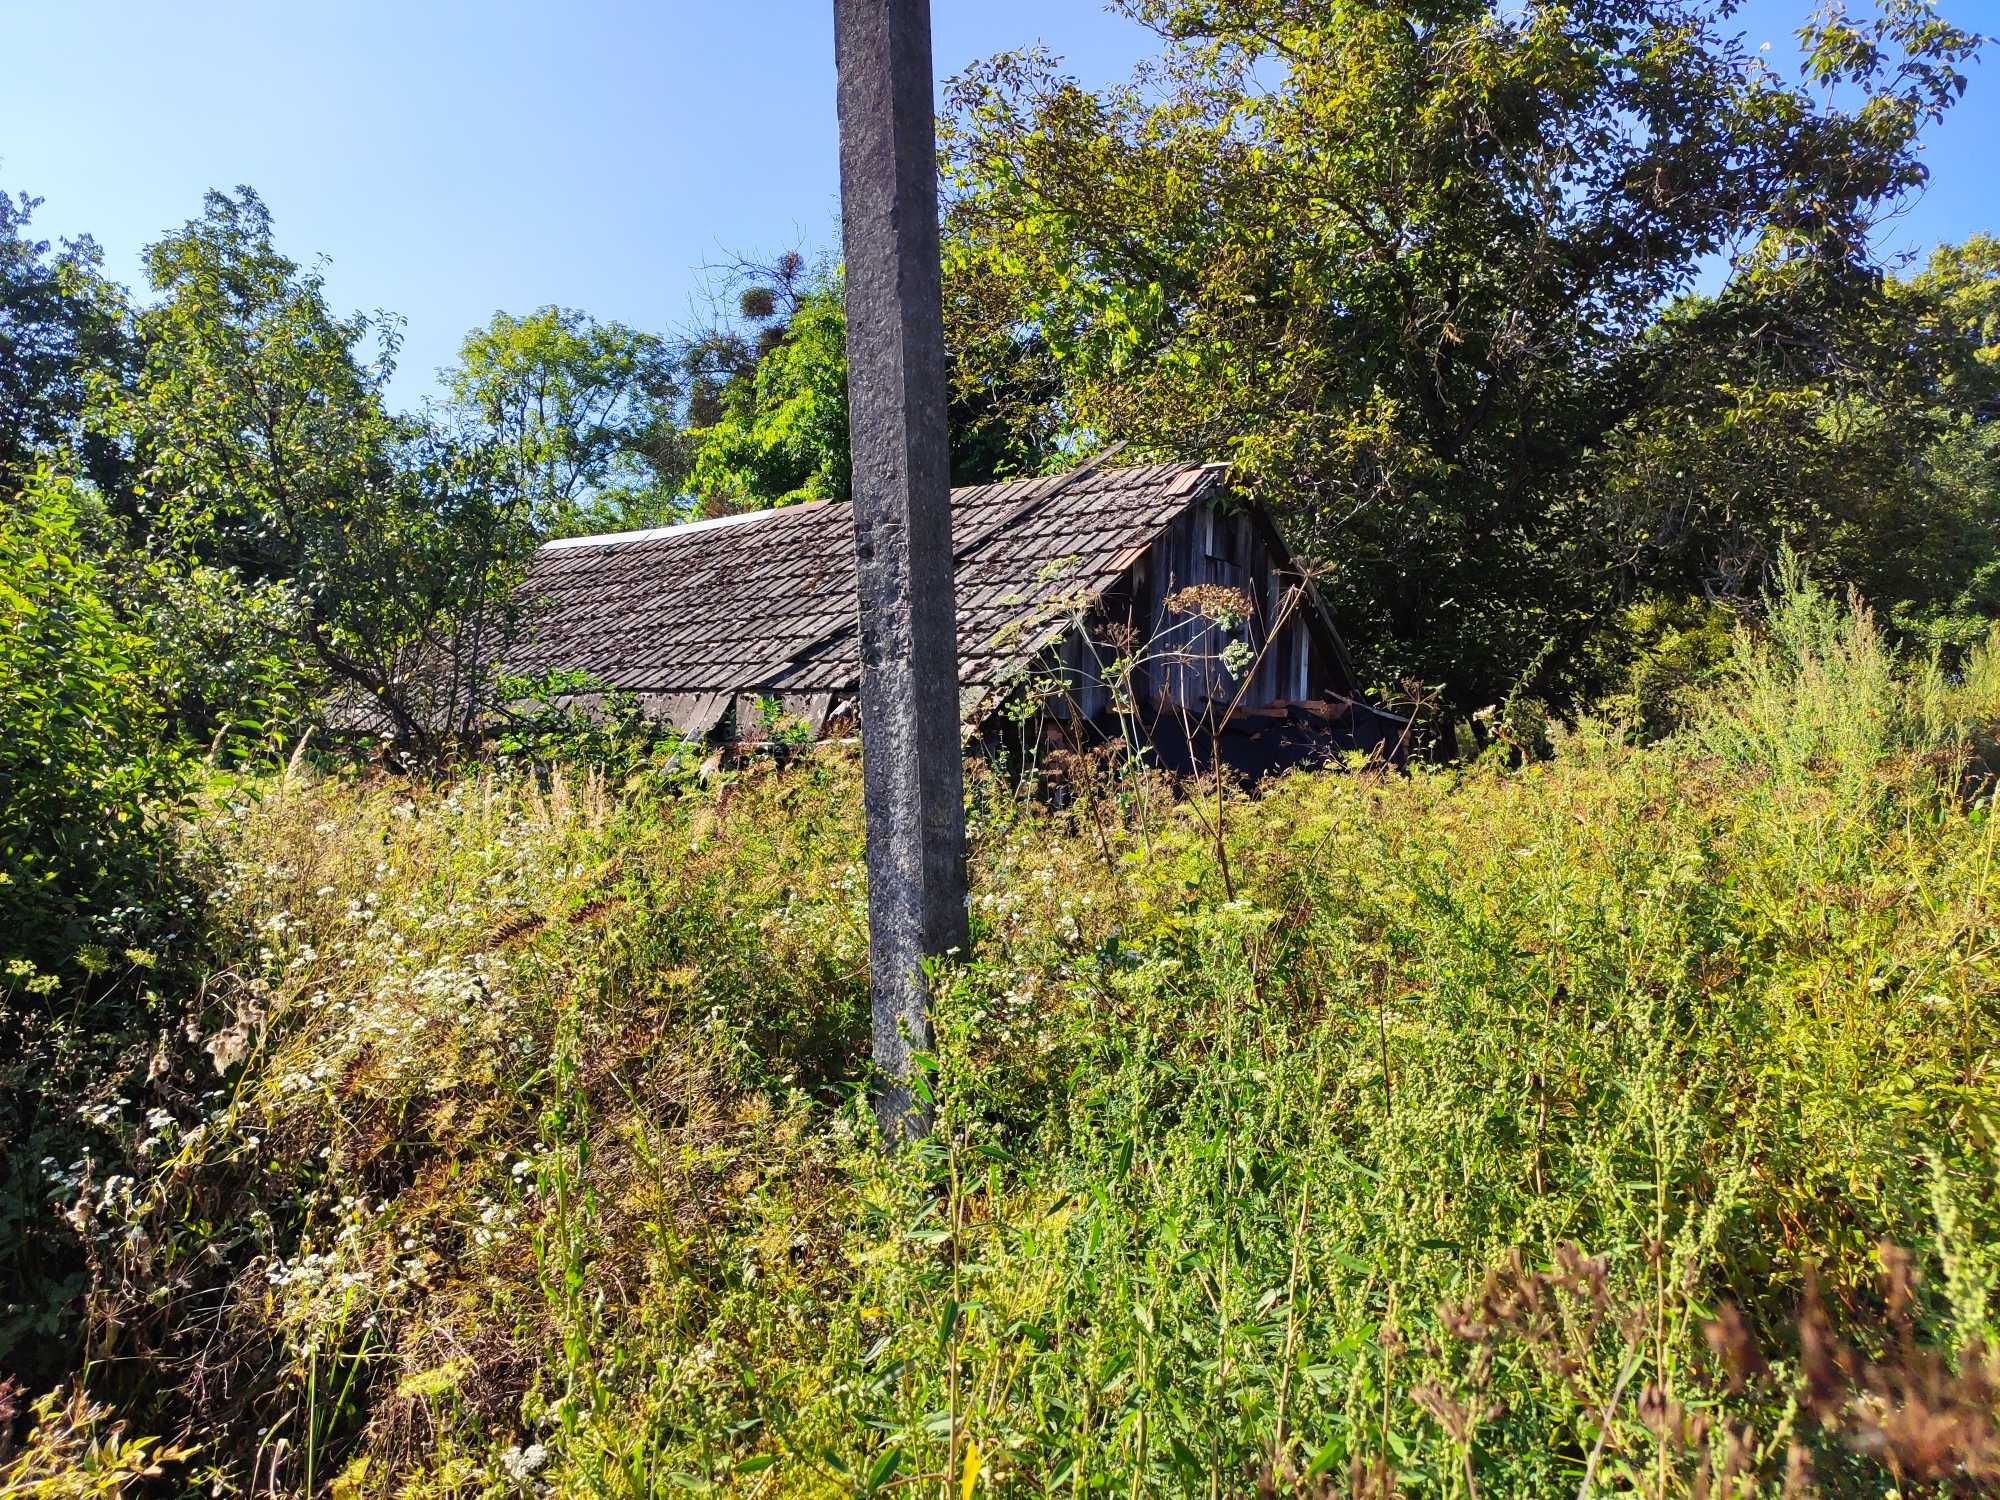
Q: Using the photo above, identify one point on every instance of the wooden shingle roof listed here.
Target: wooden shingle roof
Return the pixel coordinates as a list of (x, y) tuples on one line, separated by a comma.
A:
[(765, 603)]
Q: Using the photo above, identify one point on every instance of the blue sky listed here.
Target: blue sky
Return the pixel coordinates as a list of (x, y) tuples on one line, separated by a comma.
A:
[(454, 158)]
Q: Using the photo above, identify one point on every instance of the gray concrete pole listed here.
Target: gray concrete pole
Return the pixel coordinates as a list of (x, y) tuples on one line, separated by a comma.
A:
[(911, 765)]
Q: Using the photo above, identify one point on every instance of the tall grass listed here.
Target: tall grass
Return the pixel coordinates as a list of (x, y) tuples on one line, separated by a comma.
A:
[(1818, 688), (1492, 1138)]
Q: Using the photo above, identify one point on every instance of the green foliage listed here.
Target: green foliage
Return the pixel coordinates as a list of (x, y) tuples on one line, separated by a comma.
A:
[(1949, 593), (781, 434), (549, 1101), (1850, 428), (776, 727), (254, 418), (507, 1131), (1414, 268), (59, 320), (74, 1451), (767, 403), (1666, 647), (578, 721), (88, 897), (585, 414), (84, 778), (270, 466), (226, 659), (1818, 690)]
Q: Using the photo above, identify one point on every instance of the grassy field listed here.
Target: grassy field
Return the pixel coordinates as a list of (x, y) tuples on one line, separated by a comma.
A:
[(1625, 1120)]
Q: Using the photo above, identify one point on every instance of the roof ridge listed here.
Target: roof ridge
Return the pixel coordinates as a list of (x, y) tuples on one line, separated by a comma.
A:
[(1036, 490), (678, 528), (1037, 496)]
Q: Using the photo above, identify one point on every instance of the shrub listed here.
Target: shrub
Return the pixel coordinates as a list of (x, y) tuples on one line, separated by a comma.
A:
[(84, 778), (89, 906)]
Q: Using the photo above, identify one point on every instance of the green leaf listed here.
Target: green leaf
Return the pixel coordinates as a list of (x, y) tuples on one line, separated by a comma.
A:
[(883, 1469)]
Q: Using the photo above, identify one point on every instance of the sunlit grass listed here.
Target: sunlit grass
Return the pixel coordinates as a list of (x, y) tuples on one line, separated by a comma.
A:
[(542, 1157)]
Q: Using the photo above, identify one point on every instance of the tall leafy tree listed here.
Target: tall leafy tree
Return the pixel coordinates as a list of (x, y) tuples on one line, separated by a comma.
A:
[(1406, 263), (368, 553), (780, 427), (1857, 431), (584, 412), (257, 413), (60, 318), (767, 404)]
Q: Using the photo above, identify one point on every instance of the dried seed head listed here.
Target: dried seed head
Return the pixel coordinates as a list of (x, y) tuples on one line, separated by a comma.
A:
[(1738, 1461), (1899, 1282), (1824, 1362), (1730, 1341), (1926, 1420), (1798, 1472), (1662, 1415), (1371, 1481), (1579, 1274), (1211, 601)]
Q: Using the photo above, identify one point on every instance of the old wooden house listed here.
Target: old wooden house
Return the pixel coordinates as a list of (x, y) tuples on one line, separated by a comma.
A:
[(1145, 602)]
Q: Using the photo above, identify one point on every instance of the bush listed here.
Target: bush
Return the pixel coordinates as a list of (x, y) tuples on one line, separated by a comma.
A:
[(85, 780), (1818, 688), (89, 906), (1665, 649)]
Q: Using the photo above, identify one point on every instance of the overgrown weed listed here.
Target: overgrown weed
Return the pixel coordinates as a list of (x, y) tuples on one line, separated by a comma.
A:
[(532, 1152)]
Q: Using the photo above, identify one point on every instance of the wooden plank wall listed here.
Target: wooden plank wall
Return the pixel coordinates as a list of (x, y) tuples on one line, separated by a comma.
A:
[(1205, 546)]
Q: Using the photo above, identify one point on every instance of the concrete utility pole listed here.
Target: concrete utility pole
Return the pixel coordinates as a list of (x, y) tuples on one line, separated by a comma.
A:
[(912, 771)]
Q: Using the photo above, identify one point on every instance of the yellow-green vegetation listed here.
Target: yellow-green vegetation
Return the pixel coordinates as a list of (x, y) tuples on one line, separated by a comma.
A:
[(1626, 1118)]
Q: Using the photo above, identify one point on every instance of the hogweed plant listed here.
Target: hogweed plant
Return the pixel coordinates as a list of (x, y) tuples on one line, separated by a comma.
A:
[(1201, 649)]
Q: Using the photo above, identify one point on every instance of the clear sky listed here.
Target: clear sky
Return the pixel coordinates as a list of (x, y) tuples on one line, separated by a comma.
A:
[(455, 158)]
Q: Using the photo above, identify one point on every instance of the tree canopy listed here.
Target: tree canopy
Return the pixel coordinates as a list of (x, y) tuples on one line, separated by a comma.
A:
[(60, 318), (1415, 266), (767, 405), (584, 411), (779, 432), (310, 535)]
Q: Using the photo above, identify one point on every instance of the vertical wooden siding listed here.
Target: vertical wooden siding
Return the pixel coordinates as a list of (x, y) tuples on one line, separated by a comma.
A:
[(1183, 669)]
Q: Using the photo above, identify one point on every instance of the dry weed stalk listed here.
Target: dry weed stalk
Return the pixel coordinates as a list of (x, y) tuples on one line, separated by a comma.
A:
[(1924, 1418)]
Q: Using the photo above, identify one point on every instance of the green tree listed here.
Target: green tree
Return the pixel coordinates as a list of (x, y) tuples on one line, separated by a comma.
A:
[(59, 319), (780, 433), (266, 456), (1854, 431), (257, 414), (90, 783), (1406, 264), (585, 412), (767, 404)]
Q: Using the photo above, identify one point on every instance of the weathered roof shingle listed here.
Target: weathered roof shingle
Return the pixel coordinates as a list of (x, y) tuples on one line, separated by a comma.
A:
[(766, 602)]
